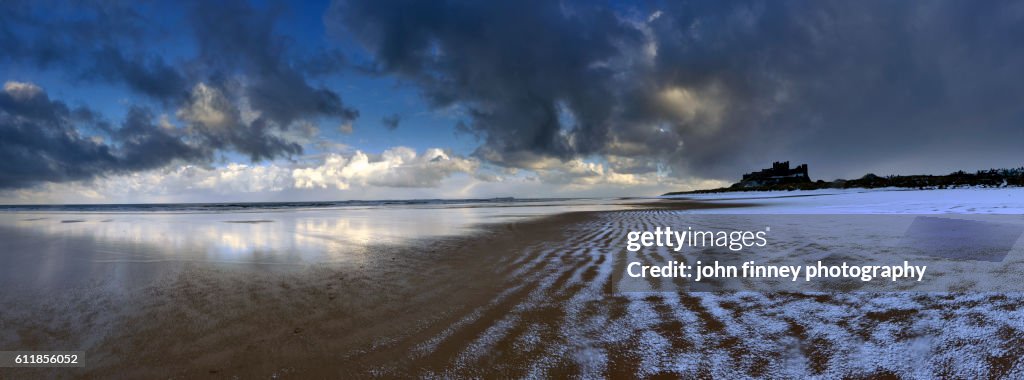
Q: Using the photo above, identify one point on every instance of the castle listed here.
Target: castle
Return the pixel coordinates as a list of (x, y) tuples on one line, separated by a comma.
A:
[(781, 177), (780, 173)]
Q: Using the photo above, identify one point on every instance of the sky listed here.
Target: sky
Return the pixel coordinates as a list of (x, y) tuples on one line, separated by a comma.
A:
[(110, 102)]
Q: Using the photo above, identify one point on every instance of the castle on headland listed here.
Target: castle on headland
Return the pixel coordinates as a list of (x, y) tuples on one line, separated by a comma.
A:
[(782, 177), (780, 173)]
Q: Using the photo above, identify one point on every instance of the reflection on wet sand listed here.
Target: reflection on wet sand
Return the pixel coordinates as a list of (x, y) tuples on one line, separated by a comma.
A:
[(53, 248)]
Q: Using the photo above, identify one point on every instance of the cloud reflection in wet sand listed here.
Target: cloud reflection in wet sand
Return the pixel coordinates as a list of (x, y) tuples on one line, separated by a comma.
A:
[(46, 251)]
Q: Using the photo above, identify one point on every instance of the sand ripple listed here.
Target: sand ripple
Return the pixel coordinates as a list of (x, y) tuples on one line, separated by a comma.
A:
[(531, 299)]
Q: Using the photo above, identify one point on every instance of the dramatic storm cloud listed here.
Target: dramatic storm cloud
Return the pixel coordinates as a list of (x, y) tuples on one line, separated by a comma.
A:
[(241, 66), (241, 38), (712, 87), (91, 41), (41, 140), (570, 95)]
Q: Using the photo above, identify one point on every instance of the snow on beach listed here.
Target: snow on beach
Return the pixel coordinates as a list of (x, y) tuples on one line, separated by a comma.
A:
[(568, 321), (538, 299), (870, 201), (561, 319), (753, 334)]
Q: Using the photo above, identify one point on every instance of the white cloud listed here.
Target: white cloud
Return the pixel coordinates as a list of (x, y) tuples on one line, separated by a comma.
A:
[(395, 167), (395, 173), (245, 178), (22, 91), (654, 16)]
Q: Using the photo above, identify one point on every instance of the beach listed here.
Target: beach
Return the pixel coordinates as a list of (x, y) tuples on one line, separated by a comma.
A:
[(512, 293), (364, 189)]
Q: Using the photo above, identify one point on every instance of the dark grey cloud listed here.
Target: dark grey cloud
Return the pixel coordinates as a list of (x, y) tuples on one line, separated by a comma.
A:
[(90, 41), (238, 37), (512, 63), (45, 140), (696, 88), (715, 88), (242, 91), (142, 144), (391, 122), (149, 74), (21, 19), (216, 121)]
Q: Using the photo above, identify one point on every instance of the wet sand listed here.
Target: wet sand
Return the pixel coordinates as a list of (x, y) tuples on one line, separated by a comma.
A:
[(520, 299)]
